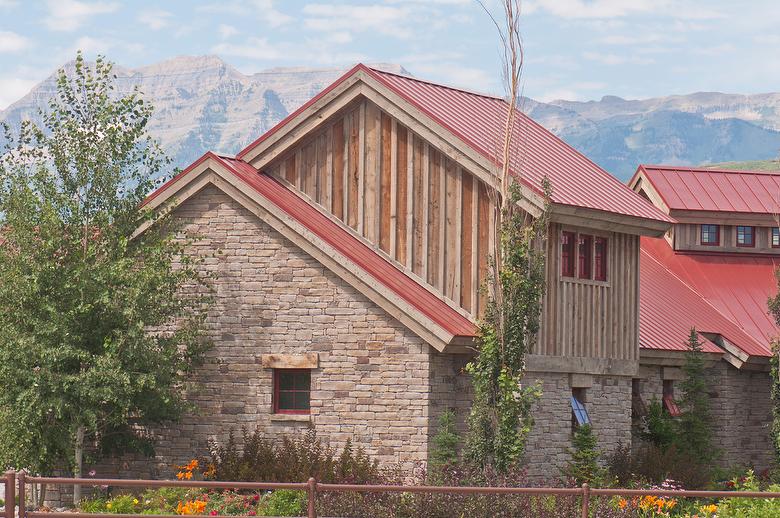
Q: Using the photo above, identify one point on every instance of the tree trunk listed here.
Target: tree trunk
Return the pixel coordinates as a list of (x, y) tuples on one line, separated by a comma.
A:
[(79, 462)]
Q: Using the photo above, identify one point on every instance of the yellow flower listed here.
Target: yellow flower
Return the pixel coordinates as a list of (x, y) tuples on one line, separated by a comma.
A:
[(709, 509), (135, 501), (108, 505)]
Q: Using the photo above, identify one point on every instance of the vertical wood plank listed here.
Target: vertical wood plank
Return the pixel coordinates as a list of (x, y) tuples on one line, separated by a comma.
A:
[(310, 180), (361, 194), (289, 170), (453, 252), (435, 250), (327, 194), (483, 224), (467, 227), (385, 173), (425, 208), (337, 147), (474, 245), (401, 230), (393, 188), (320, 189), (409, 196), (299, 168), (354, 169), (417, 193)]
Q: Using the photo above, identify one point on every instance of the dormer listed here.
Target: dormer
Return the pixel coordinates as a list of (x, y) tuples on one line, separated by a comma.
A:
[(717, 210)]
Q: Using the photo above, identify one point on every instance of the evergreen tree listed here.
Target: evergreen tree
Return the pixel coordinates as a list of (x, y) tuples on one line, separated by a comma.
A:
[(445, 443), (774, 372), (694, 426), (583, 465)]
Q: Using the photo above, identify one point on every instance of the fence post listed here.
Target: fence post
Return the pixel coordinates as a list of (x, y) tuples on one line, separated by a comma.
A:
[(585, 500), (10, 494), (22, 495), (312, 497)]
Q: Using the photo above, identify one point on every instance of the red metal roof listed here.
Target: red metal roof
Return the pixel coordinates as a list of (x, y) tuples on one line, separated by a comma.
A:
[(478, 120), (721, 294), (690, 188), (346, 243)]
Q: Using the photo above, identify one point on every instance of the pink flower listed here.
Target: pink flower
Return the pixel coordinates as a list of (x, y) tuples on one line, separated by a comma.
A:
[(92, 473), (256, 498), (252, 513), (213, 513)]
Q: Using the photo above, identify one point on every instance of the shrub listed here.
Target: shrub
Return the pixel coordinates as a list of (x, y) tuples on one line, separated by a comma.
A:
[(658, 427), (444, 448), (291, 460), (284, 502), (584, 466), (750, 507), (652, 464)]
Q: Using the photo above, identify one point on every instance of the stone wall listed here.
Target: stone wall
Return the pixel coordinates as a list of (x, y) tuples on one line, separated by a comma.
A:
[(741, 411)]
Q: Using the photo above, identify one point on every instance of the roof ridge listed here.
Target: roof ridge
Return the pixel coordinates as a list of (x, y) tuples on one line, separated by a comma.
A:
[(440, 85), (662, 167), (698, 294)]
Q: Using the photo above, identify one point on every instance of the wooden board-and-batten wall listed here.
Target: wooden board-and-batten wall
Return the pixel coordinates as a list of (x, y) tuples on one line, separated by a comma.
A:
[(433, 217), (402, 195)]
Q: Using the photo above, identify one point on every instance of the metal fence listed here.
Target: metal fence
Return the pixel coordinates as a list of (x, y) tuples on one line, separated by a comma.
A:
[(16, 492)]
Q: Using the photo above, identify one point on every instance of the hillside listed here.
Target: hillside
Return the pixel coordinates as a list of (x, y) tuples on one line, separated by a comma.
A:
[(204, 103)]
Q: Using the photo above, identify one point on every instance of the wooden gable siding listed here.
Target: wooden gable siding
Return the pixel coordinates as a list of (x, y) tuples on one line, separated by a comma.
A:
[(589, 318), (401, 194)]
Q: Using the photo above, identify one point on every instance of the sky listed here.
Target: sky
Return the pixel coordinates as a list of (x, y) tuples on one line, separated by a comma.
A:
[(574, 49)]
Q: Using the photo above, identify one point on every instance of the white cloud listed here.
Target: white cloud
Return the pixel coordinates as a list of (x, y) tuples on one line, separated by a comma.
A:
[(620, 8), (263, 10), (715, 50), (12, 89), (253, 48), (615, 59), (12, 42), (8, 3), (226, 31), (155, 19), (69, 15), (383, 19)]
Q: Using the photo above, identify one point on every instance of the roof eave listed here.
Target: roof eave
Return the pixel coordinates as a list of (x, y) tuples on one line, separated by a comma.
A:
[(608, 221)]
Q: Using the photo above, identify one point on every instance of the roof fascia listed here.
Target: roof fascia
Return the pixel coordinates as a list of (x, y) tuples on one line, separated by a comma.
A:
[(640, 181), (667, 358), (607, 221), (217, 173), (723, 217)]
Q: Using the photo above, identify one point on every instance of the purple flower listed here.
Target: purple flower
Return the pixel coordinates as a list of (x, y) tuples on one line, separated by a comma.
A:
[(92, 473)]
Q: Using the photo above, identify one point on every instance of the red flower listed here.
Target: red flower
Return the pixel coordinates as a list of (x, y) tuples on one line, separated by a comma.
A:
[(213, 513), (256, 498)]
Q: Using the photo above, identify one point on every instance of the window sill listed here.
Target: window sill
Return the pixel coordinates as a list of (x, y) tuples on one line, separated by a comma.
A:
[(298, 418)]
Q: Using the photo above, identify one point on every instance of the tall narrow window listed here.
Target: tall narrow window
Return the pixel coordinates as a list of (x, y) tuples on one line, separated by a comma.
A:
[(710, 235), (600, 259), (775, 237), (585, 256), (292, 391), (638, 407), (579, 413), (567, 254), (745, 236)]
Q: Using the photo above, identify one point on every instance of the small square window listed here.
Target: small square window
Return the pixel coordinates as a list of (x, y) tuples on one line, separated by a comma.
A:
[(567, 254), (710, 235), (578, 410), (745, 236), (292, 391), (585, 245), (775, 237)]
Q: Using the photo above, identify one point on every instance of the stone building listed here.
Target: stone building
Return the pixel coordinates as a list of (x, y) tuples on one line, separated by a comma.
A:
[(349, 244), (714, 270)]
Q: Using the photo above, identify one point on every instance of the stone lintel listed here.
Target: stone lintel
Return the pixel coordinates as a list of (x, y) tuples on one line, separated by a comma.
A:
[(291, 361)]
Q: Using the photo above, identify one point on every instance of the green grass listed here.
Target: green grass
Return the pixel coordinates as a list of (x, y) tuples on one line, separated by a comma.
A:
[(752, 165)]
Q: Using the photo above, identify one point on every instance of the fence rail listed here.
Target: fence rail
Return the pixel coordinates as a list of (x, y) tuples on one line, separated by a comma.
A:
[(16, 489)]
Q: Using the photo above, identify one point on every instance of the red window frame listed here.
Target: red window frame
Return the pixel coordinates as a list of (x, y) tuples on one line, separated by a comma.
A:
[(567, 253), (600, 250), (716, 242), (585, 256), (774, 231), (296, 391), (752, 234), (668, 398)]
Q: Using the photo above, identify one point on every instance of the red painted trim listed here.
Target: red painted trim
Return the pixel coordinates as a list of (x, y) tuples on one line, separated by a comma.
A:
[(584, 261), (717, 235), (567, 267), (752, 243), (276, 386), (600, 267), (206, 156)]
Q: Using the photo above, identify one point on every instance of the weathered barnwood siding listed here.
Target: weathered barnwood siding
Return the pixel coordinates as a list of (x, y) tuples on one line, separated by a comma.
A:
[(688, 237), (404, 196), (590, 318)]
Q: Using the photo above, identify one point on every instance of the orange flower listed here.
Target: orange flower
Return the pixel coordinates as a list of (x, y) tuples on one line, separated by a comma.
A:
[(188, 475), (622, 503), (180, 475), (192, 465)]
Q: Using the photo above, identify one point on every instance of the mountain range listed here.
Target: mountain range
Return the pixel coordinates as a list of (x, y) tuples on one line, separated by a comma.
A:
[(203, 103)]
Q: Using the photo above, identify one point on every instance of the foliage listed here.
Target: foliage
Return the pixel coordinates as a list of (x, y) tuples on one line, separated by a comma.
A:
[(583, 465), (284, 502), (79, 294), (694, 426), (500, 417), (658, 427), (750, 507), (651, 464), (291, 460), (444, 450), (774, 372)]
